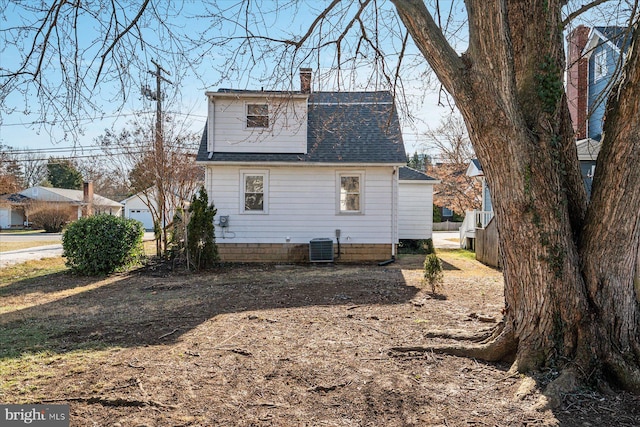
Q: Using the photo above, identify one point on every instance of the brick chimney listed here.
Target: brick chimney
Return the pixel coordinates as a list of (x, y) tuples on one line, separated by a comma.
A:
[(577, 79), (305, 80), (87, 198)]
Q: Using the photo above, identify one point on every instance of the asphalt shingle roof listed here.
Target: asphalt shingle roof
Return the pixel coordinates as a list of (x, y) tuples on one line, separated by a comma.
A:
[(408, 174), (342, 127)]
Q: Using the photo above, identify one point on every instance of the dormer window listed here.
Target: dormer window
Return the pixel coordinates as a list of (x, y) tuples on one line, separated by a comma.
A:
[(257, 116), (600, 65)]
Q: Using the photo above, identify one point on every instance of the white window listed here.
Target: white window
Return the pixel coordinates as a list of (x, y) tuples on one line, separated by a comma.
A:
[(350, 194), (254, 191), (600, 65), (257, 116)]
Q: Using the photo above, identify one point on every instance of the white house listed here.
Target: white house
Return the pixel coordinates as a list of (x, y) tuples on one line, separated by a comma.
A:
[(300, 176), (137, 207), (140, 205), (14, 208)]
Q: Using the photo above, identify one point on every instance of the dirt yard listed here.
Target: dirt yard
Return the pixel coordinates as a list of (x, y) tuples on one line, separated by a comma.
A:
[(293, 345)]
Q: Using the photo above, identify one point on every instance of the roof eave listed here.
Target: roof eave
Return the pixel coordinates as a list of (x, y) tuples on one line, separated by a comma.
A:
[(302, 164)]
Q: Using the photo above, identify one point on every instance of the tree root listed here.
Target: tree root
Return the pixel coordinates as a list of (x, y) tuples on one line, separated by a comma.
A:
[(477, 337), (626, 374), (500, 344)]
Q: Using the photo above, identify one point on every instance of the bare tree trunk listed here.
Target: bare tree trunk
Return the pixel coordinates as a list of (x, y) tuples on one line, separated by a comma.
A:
[(569, 290)]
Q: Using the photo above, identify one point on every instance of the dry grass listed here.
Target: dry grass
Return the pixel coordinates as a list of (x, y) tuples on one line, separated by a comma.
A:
[(260, 345)]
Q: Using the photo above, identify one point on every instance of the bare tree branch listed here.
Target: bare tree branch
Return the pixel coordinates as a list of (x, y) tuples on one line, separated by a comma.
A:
[(584, 8)]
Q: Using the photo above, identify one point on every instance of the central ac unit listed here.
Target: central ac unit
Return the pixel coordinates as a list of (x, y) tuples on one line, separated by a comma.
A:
[(321, 250)]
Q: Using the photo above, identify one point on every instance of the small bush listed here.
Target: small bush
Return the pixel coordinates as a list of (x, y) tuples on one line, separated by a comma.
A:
[(102, 244), (201, 240), (433, 271), (416, 246)]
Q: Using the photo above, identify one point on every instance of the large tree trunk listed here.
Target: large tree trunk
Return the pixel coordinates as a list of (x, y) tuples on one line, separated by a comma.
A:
[(558, 286)]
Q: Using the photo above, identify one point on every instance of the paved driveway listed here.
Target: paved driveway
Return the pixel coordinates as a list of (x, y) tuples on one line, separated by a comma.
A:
[(446, 239), (22, 255)]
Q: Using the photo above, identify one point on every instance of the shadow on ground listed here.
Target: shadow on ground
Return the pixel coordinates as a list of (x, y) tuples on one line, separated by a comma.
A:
[(144, 309)]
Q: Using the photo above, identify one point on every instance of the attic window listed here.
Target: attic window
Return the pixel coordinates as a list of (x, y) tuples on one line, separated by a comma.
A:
[(257, 116), (600, 65)]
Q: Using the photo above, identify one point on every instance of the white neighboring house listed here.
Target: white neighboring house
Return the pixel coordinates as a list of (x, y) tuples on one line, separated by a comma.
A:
[(14, 209), (136, 207), (299, 176)]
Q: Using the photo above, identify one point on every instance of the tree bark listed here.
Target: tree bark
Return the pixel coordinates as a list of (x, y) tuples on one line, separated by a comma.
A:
[(561, 294)]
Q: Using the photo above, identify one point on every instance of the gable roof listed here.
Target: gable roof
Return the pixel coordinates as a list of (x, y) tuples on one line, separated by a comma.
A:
[(342, 127), (475, 168), (616, 37), (65, 195), (406, 173)]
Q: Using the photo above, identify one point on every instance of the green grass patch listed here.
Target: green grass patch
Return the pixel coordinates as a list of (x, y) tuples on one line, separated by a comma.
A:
[(457, 253), (31, 270)]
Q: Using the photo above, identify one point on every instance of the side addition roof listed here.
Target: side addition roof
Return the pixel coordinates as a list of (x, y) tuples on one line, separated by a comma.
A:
[(342, 127), (409, 174)]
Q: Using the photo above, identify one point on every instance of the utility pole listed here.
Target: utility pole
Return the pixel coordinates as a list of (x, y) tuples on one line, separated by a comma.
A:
[(159, 157)]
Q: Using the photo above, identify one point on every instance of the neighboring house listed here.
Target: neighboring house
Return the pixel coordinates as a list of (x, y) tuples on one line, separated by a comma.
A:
[(300, 176), (140, 206), (137, 207), (594, 56), (479, 231), (475, 219), (14, 208)]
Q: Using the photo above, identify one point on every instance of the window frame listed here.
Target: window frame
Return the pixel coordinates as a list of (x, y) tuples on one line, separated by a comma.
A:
[(244, 174), (600, 66), (248, 105), (361, 192)]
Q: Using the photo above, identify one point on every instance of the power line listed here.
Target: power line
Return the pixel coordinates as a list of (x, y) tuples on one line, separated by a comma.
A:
[(114, 116)]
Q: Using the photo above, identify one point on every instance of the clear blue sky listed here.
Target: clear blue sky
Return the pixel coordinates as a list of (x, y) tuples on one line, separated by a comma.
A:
[(21, 129)]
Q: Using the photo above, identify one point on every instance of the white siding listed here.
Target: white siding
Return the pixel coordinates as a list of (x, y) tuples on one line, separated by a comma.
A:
[(287, 131), (302, 205), (5, 215), (415, 210)]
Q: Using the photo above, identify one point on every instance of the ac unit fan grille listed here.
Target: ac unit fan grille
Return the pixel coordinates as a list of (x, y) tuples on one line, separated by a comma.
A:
[(321, 250)]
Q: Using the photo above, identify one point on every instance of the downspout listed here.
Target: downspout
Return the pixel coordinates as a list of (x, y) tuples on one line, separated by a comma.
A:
[(394, 216), (394, 211)]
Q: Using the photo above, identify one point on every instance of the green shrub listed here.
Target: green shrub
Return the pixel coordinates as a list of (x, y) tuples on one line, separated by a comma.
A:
[(416, 246), (433, 271), (201, 241), (102, 244), (428, 246)]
